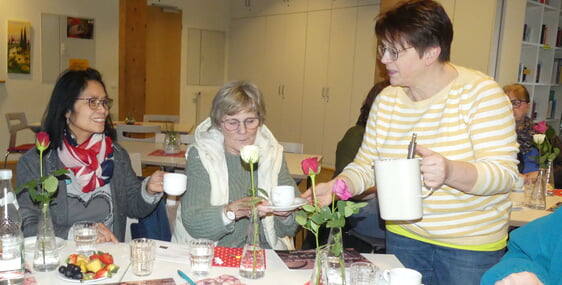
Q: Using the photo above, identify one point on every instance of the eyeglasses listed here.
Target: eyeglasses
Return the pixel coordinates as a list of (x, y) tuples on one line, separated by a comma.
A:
[(393, 53), (517, 102), (234, 124), (95, 103)]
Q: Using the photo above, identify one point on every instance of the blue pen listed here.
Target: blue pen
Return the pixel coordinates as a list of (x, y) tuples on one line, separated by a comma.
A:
[(184, 276)]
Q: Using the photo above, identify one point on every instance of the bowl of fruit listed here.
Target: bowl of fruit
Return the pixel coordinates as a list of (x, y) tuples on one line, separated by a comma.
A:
[(81, 268)]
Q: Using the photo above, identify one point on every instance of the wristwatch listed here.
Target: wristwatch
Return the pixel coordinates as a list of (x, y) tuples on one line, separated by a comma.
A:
[(229, 214)]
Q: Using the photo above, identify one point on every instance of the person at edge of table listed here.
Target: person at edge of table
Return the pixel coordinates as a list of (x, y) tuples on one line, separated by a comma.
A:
[(100, 185), (216, 204), (466, 143), (528, 152), (367, 223), (534, 255)]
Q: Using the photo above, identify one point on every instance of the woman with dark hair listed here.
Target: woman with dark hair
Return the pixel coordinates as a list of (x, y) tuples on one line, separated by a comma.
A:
[(217, 206), (466, 144), (100, 184)]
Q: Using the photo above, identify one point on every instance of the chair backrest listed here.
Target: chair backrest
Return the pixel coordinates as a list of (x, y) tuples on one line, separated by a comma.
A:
[(16, 122), (187, 139), (136, 129), (292, 147), (136, 163), (161, 118)]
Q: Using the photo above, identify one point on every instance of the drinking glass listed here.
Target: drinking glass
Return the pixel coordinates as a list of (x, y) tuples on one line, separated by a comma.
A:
[(85, 236), (363, 273), (143, 251), (201, 253)]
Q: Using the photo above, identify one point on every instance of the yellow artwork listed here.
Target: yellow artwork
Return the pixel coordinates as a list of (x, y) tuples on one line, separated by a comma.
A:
[(19, 47)]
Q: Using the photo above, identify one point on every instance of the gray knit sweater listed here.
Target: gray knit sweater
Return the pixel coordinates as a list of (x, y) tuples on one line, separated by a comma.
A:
[(202, 220)]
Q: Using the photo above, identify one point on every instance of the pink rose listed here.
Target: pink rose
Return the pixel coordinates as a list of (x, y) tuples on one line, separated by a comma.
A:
[(43, 141), (541, 127), (310, 166), (340, 189)]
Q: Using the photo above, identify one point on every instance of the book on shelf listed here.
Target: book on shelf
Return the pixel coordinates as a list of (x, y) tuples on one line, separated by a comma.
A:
[(551, 109), (544, 34), (524, 73), (538, 73), (559, 37)]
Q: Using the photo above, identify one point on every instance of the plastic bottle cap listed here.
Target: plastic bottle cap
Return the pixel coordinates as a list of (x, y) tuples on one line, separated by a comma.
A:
[(5, 174)]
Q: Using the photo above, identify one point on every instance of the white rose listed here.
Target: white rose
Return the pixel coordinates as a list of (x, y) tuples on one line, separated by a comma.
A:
[(250, 154), (539, 138)]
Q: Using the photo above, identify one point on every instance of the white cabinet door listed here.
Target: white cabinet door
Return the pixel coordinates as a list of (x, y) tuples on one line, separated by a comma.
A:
[(333, 58), (246, 52), (283, 72), (315, 80)]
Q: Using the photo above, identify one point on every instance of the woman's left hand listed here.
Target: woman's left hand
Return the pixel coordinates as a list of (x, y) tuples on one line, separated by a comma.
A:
[(155, 183), (105, 234), (433, 167)]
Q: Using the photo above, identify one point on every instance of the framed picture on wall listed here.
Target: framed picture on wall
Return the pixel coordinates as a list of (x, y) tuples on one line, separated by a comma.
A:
[(79, 28), (19, 47)]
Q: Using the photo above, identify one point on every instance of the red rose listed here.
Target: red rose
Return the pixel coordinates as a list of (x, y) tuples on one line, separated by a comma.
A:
[(310, 166), (43, 141), (541, 127)]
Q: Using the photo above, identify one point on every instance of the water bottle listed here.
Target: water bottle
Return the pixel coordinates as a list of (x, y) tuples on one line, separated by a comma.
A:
[(11, 237)]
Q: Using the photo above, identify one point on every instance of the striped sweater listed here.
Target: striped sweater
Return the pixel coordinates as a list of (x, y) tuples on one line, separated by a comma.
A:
[(469, 120)]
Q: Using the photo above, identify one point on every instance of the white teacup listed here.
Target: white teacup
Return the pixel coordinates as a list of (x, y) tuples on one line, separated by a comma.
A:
[(399, 189), (175, 183), (283, 195), (402, 276), (519, 183)]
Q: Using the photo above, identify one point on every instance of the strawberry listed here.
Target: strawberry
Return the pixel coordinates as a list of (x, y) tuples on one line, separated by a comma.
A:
[(106, 258), (102, 273), (94, 256)]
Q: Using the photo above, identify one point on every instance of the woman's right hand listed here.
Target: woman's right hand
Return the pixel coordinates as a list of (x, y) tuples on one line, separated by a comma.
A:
[(520, 278)]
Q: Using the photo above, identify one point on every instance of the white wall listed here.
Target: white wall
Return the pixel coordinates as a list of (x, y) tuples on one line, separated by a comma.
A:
[(28, 94)]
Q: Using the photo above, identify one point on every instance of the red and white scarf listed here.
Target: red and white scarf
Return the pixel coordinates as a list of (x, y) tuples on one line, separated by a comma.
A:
[(91, 162)]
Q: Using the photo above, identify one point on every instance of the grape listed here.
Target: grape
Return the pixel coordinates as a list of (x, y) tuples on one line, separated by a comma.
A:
[(62, 269), (77, 276)]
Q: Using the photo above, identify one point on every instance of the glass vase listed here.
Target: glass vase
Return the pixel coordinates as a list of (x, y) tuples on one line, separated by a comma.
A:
[(172, 144), (46, 257), (318, 276), (335, 263), (537, 199), (252, 264), (549, 178)]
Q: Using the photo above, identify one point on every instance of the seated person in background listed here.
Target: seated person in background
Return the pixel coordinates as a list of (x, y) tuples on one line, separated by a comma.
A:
[(534, 255), (365, 225), (215, 205), (101, 185), (528, 152)]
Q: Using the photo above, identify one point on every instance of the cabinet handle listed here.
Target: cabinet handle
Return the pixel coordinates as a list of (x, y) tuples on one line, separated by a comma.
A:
[(327, 94), (283, 91), (323, 94), (279, 90)]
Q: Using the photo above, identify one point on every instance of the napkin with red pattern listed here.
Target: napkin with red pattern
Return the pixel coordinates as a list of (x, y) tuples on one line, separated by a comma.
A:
[(228, 256)]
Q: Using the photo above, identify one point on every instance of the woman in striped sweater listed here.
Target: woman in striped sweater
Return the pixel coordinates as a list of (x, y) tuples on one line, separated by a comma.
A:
[(466, 142)]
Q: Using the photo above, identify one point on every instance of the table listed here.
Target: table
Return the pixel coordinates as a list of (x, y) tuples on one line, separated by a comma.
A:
[(521, 215), (145, 148), (179, 128), (276, 272)]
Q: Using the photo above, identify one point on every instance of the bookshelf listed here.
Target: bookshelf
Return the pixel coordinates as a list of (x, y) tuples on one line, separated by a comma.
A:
[(540, 63)]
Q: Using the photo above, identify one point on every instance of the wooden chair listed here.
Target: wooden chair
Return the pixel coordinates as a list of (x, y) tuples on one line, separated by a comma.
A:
[(16, 122), (137, 133), (161, 118), (187, 139)]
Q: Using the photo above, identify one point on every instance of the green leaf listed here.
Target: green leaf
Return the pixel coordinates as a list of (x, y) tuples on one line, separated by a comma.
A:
[(309, 208), (263, 192), (314, 228), (301, 218), (336, 249), (50, 184)]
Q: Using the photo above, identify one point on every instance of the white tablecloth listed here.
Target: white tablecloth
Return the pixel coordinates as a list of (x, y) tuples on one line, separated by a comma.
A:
[(166, 265)]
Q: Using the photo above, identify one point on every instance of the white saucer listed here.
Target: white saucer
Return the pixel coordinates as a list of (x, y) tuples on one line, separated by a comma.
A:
[(29, 244), (297, 203)]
